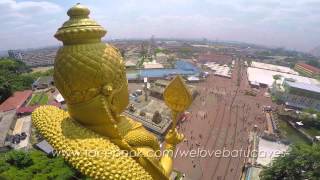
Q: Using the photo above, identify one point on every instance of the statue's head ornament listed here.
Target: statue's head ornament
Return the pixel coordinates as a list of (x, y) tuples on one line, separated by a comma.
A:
[(80, 28), (90, 74)]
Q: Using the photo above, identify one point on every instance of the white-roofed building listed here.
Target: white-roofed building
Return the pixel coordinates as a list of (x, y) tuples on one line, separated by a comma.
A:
[(152, 65), (265, 77), (59, 98), (273, 67), (219, 70), (296, 94), (193, 79)]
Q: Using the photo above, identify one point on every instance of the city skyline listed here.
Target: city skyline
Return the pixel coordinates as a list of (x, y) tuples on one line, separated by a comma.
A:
[(294, 24)]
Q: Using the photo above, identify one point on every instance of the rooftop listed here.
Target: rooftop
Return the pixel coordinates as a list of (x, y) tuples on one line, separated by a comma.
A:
[(264, 76), (304, 86), (273, 67), (15, 101), (152, 65), (181, 67), (45, 147), (311, 68)]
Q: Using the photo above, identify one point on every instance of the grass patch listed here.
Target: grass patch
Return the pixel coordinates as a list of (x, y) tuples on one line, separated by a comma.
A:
[(312, 131), (290, 133), (39, 99)]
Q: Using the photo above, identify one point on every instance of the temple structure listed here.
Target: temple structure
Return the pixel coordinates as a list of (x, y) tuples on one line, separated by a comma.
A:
[(92, 135)]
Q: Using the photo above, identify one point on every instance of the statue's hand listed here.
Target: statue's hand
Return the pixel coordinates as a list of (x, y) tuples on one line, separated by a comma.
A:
[(174, 137)]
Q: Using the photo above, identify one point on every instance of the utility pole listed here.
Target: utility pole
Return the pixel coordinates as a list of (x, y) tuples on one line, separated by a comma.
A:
[(145, 81)]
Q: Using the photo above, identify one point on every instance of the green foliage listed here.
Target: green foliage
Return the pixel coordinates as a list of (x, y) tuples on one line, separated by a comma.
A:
[(276, 77), (10, 78), (34, 165), (276, 99), (5, 89), (311, 111), (19, 159), (16, 76), (309, 120), (301, 162), (13, 66), (158, 50)]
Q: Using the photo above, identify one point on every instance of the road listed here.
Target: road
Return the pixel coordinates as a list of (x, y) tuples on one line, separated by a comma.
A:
[(221, 118)]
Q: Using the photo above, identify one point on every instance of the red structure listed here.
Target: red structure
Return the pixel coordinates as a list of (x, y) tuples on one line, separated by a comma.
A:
[(27, 110), (307, 69), (16, 101)]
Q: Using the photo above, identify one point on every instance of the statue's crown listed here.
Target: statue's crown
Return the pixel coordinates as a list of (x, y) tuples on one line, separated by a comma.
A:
[(80, 28)]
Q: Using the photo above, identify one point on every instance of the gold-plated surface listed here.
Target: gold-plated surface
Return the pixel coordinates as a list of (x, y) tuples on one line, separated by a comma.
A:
[(91, 77), (177, 97)]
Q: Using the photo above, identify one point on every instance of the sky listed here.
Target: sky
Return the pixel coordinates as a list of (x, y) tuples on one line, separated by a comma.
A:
[(293, 24)]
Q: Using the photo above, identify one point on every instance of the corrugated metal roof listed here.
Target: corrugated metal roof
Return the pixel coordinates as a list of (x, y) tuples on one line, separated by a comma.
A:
[(304, 86), (45, 147)]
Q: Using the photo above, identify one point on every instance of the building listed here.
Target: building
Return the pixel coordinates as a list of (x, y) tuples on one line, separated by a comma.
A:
[(182, 67), (152, 65), (273, 67), (130, 65), (43, 82), (158, 87), (17, 100), (265, 77), (219, 70), (306, 69), (35, 57), (15, 54), (297, 95), (59, 98), (193, 79)]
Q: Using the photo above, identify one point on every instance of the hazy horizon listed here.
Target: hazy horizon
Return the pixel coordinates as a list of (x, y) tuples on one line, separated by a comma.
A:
[(291, 24)]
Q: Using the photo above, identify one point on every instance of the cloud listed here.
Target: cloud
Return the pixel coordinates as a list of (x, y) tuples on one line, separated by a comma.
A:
[(290, 23), (27, 8), (22, 21)]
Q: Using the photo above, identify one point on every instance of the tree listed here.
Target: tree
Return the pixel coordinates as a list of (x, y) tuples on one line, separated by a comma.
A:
[(157, 118), (15, 76), (19, 159), (301, 162), (34, 165), (276, 77)]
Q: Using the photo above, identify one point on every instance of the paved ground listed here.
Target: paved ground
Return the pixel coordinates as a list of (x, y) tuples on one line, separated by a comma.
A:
[(22, 125), (221, 118)]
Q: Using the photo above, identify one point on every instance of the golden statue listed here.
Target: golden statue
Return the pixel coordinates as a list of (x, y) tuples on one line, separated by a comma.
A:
[(93, 136)]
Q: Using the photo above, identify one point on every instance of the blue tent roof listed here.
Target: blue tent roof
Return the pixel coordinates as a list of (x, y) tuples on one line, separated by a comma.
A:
[(181, 67)]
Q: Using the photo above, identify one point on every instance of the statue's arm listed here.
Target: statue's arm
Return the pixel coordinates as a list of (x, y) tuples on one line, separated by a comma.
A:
[(172, 139)]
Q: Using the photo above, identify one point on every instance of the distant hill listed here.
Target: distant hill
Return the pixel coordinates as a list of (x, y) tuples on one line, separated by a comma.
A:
[(316, 51)]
